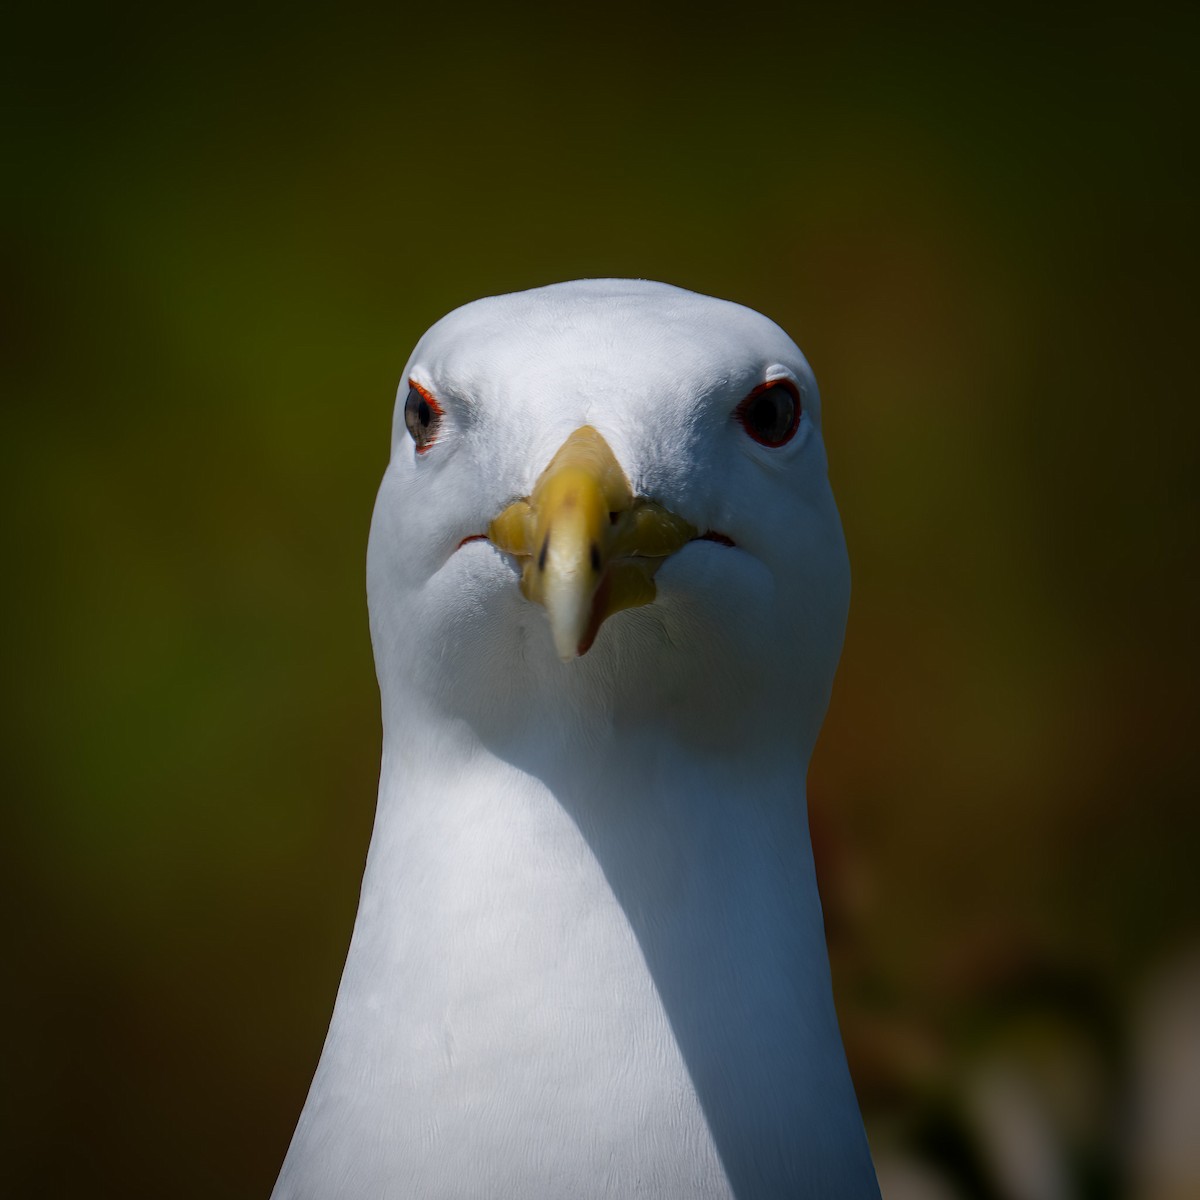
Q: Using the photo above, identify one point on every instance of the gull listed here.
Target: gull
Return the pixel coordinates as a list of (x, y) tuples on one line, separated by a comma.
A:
[(608, 589)]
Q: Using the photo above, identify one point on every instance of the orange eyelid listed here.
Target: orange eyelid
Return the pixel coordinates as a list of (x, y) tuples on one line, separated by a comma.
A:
[(426, 395), (788, 385), (429, 399)]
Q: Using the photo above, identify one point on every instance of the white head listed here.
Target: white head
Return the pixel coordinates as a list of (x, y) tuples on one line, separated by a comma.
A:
[(739, 641)]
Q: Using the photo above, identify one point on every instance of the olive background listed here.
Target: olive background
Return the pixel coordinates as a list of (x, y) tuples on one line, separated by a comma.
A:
[(223, 233)]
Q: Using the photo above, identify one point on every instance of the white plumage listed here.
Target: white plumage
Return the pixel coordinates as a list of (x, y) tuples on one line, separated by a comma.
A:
[(589, 957)]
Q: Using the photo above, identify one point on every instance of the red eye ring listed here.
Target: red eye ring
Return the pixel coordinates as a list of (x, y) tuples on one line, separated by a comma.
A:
[(422, 416), (771, 413)]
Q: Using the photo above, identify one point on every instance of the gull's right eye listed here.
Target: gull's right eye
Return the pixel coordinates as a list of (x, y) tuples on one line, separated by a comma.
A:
[(422, 416)]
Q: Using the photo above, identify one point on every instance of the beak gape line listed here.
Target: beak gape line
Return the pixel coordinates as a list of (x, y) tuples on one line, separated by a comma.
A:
[(588, 547)]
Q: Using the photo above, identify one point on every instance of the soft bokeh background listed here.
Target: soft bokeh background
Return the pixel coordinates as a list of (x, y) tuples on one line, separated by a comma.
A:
[(221, 239)]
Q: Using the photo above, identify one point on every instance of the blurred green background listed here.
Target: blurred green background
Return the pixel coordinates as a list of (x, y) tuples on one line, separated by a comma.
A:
[(222, 238)]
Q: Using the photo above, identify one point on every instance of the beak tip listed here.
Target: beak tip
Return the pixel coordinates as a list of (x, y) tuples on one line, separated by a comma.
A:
[(567, 647)]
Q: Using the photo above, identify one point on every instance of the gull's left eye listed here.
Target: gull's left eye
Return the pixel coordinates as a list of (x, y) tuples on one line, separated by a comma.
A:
[(771, 413), (422, 416)]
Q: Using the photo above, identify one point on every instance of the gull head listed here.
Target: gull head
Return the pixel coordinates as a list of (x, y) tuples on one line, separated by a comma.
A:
[(608, 499)]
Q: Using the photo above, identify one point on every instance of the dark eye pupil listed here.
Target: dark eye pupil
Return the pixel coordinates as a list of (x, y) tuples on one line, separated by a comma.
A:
[(768, 416), (423, 413)]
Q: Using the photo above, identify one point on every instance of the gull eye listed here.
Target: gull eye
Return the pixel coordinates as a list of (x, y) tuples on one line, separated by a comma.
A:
[(422, 416), (771, 413)]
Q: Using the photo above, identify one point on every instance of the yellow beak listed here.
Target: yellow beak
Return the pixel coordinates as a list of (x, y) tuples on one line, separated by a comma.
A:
[(588, 546)]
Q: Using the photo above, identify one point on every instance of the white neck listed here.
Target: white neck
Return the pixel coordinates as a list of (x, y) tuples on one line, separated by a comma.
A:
[(595, 970)]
